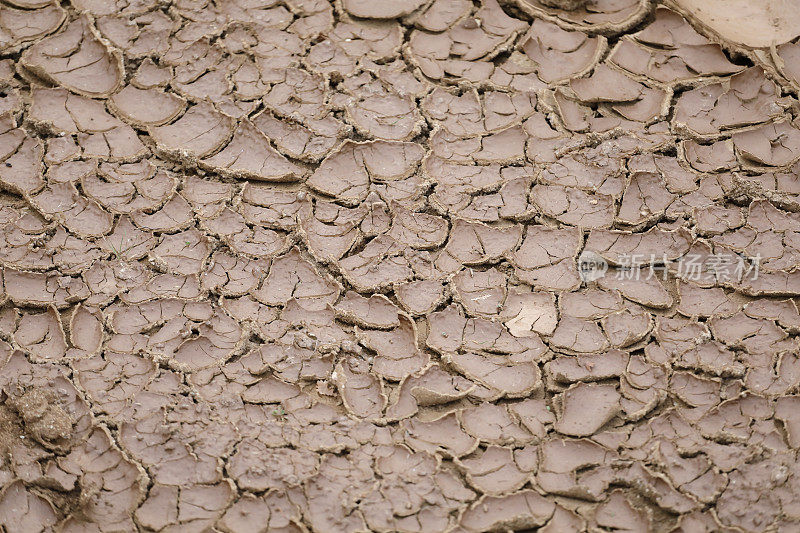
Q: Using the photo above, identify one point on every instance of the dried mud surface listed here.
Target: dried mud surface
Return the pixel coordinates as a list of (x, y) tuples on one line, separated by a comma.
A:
[(300, 265)]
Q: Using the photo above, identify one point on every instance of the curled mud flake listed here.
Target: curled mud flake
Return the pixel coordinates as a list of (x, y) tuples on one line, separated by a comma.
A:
[(786, 411), (787, 61), (559, 54), (742, 23), (470, 193), (638, 287), (606, 85), (85, 332), (443, 435), (504, 147), (208, 198), (99, 134), (127, 242), (450, 332), (627, 327), (42, 290), (298, 141), (431, 386), (312, 17), (586, 407), (521, 510), (106, 279), (618, 514), (590, 304), (198, 133), (501, 373), (352, 41), (533, 415), (375, 312), (746, 99), (697, 392), (182, 253), (21, 26), (546, 258), (381, 264), (495, 470), (63, 203), (482, 293), (653, 246), (670, 51), (24, 510), (146, 107), (249, 155), (162, 286), (784, 312), (174, 215), (299, 96), (646, 198), (463, 51), (441, 15), (772, 284), (715, 157), (293, 277), (605, 16), (379, 113), (330, 231), (418, 230), (193, 507), (494, 424), (257, 242), (578, 336), (588, 169), (149, 75), (249, 513), (420, 297), (42, 335), (382, 9), (774, 144), (290, 363), (530, 312), (125, 190), (587, 367), (160, 509), (398, 354), (229, 275), (473, 244), (715, 219), (574, 207), (347, 173), (575, 467), (361, 391), (473, 114), (698, 302), (676, 178), (21, 155), (139, 36), (77, 60), (756, 335)]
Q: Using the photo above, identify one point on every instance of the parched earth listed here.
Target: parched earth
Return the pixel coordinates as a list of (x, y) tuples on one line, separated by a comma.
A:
[(300, 265)]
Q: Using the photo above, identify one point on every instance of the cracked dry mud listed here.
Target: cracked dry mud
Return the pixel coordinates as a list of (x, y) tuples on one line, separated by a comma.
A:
[(312, 266)]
